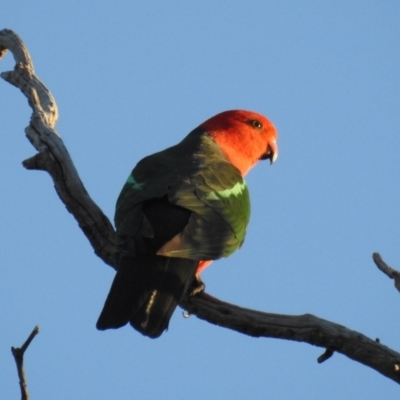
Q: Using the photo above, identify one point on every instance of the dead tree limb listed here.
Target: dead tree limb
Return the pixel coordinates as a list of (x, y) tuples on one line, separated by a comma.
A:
[(52, 155), (18, 353), (305, 328), (54, 158), (387, 270)]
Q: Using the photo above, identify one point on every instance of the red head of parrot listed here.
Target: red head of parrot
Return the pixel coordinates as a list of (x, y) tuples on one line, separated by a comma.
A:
[(244, 136)]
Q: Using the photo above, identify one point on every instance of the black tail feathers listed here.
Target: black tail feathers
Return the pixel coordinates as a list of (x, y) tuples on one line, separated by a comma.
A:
[(145, 293)]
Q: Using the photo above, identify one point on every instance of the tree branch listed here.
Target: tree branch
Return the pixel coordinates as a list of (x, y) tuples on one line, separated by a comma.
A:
[(53, 157), (302, 328), (18, 354), (387, 270)]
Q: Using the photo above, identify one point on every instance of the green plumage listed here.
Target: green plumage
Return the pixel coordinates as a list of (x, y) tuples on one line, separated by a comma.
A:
[(180, 206), (195, 175)]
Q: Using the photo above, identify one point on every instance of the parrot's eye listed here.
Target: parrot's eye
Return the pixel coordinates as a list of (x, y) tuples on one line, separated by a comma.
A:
[(255, 123)]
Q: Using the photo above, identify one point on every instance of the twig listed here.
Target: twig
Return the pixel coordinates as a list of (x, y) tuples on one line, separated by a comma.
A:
[(325, 356), (387, 270), (18, 354)]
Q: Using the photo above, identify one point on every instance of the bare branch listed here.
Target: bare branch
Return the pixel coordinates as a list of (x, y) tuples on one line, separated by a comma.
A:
[(303, 328), (18, 354), (53, 157), (387, 270)]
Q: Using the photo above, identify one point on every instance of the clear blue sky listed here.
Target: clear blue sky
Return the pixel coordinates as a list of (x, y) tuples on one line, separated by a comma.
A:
[(131, 78)]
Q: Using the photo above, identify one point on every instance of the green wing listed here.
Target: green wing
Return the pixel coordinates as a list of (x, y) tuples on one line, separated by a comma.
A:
[(194, 175), (219, 199)]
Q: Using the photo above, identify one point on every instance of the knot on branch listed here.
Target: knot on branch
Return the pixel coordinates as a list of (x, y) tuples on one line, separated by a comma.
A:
[(38, 162)]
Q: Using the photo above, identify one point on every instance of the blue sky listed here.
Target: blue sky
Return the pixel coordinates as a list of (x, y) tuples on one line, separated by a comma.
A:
[(131, 78)]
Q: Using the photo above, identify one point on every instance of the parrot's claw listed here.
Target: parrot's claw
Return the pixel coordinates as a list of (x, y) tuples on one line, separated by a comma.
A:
[(196, 287)]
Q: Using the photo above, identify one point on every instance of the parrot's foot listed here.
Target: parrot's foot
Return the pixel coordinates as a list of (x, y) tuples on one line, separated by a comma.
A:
[(196, 287)]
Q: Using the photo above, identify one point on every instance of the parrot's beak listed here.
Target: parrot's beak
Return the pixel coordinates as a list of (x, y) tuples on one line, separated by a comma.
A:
[(271, 153)]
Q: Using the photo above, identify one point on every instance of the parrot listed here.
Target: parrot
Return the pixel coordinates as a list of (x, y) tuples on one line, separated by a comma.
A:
[(179, 210)]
